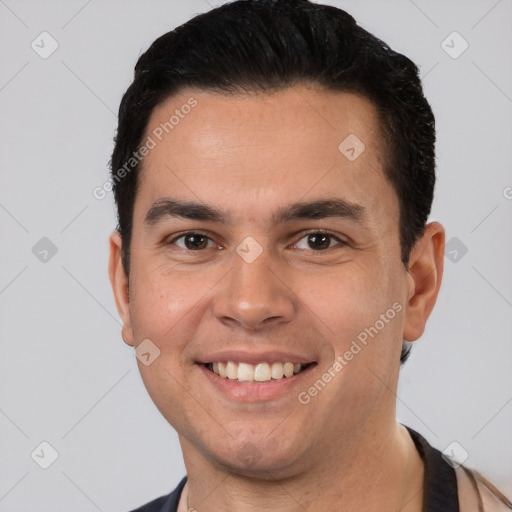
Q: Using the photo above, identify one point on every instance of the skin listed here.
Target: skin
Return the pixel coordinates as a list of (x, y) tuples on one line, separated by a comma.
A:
[(248, 156)]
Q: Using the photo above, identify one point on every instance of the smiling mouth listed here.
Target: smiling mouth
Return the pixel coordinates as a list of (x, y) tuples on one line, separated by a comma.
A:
[(261, 372)]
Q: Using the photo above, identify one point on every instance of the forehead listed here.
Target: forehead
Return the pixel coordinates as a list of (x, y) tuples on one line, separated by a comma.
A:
[(291, 143), (310, 115)]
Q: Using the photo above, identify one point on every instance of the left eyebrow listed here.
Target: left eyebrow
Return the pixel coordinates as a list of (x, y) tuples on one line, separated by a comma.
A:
[(320, 209)]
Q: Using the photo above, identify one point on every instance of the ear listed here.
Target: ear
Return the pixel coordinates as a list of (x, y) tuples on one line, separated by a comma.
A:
[(424, 275), (119, 283)]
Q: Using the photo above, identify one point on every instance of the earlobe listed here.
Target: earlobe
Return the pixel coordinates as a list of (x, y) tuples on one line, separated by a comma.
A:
[(119, 283), (424, 277)]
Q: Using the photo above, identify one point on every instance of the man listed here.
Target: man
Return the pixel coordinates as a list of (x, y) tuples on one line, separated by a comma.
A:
[(274, 171)]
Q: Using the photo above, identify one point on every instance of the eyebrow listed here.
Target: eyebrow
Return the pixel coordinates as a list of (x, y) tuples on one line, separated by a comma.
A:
[(320, 209)]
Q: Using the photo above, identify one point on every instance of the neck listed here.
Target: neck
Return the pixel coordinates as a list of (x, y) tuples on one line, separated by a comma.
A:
[(380, 470)]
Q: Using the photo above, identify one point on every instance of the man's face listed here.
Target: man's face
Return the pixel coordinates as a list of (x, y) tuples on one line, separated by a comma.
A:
[(257, 282)]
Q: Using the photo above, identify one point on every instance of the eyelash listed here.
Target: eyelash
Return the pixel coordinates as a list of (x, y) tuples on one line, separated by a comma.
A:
[(341, 243)]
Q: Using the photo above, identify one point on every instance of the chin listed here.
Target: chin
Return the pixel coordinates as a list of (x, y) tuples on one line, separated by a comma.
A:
[(260, 458)]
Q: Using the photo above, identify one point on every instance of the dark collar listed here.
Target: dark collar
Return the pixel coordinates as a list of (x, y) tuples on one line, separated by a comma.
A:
[(440, 484)]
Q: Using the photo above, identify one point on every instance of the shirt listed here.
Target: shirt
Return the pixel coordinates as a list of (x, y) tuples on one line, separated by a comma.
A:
[(442, 487)]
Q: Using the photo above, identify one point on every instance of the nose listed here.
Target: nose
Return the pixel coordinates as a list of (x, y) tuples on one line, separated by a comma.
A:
[(254, 296)]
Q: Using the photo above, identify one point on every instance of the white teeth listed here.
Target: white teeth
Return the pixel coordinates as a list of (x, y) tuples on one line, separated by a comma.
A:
[(288, 369), (277, 371), (261, 372), (231, 370), (245, 371)]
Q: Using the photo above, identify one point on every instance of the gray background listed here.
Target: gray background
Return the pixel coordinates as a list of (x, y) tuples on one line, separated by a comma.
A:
[(67, 377)]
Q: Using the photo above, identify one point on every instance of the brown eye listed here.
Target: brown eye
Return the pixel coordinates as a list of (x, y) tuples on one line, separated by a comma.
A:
[(192, 241), (319, 241)]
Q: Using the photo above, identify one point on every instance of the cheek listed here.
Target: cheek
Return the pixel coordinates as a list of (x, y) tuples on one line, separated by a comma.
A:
[(164, 304), (361, 310), (165, 309), (349, 299)]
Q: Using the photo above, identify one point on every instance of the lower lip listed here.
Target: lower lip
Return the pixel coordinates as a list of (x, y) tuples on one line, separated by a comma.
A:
[(255, 391)]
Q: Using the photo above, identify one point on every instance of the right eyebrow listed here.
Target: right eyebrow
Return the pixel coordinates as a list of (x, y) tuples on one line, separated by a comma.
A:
[(164, 208)]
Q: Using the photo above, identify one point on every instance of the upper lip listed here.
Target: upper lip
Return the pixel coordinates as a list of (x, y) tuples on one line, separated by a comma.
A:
[(255, 357)]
